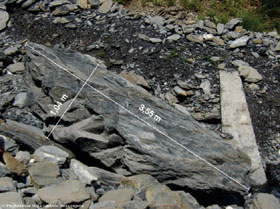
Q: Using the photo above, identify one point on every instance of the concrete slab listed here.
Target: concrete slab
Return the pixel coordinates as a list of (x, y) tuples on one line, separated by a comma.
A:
[(236, 121)]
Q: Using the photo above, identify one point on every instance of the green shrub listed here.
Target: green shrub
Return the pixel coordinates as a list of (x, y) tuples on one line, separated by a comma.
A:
[(253, 21)]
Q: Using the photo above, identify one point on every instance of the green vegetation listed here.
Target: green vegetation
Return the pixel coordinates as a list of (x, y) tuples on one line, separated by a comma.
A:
[(257, 15)]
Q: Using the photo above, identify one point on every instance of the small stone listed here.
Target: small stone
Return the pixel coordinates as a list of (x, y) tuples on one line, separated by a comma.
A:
[(106, 6), (57, 3), (273, 34), (7, 185), (174, 37), (143, 37), (155, 40), (16, 68), (135, 79), (3, 170), (61, 20), (208, 37), (209, 24), (218, 40), (20, 100), (64, 9), (220, 28), (265, 201), (44, 174), (240, 42), (119, 196), (51, 154), (249, 74), (215, 59), (82, 172), (238, 29), (104, 205), (239, 63), (13, 199), (70, 25), (179, 91), (94, 3), (28, 3), (195, 38), (206, 87), (232, 23), (257, 41), (4, 17), (23, 157), (183, 84), (277, 47), (254, 87), (69, 191), (82, 4), (14, 165), (171, 98), (11, 51), (116, 62), (221, 66)]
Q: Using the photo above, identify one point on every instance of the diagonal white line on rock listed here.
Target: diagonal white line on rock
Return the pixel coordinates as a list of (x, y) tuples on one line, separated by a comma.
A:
[(145, 122), (84, 83)]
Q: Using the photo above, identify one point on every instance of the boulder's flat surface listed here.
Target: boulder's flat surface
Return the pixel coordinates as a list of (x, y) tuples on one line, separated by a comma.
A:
[(120, 140)]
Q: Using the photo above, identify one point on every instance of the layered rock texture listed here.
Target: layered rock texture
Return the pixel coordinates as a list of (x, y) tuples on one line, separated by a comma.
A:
[(117, 137)]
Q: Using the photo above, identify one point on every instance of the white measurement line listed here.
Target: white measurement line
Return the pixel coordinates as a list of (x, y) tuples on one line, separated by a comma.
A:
[(148, 124), (85, 83)]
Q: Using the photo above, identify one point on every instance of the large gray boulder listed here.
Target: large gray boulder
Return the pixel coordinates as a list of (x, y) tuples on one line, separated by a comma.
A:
[(120, 140)]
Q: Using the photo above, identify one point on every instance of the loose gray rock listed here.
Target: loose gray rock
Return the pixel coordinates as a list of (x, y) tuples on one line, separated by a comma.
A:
[(16, 68), (233, 22), (11, 50), (265, 201), (28, 3), (57, 3), (239, 63), (206, 87), (105, 6), (239, 42), (119, 196), (11, 200), (51, 154), (20, 100), (174, 37), (3, 170), (277, 47), (82, 172), (249, 74), (4, 17), (94, 3), (7, 185), (116, 137), (44, 174), (70, 191), (23, 157), (195, 38), (220, 28)]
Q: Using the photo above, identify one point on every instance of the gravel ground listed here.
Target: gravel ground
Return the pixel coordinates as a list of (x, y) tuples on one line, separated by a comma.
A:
[(163, 64)]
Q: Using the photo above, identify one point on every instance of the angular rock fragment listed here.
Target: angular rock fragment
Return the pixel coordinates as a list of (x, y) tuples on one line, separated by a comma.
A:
[(11, 199), (70, 191), (44, 174), (4, 17), (249, 74), (52, 154), (105, 6), (239, 42)]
